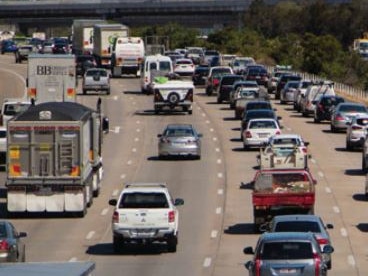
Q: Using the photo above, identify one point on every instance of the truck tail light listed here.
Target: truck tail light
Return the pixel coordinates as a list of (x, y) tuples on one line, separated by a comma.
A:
[(15, 170), (171, 216), (317, 262), (258, 263), (75, 171), (115, 217), (70, 92), (4, 245), (216, 82), (32, 92)]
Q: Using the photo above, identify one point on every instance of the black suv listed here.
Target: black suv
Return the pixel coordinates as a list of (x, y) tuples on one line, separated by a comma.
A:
[(325, 106), (200, 75), (283, 80), (226, 85)]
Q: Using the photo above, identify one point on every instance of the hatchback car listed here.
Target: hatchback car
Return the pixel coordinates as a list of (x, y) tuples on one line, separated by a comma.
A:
[(284, 78), (96, 79), (257, 73), (179, 140), (356, 132), (184, 67), (226, 85), (288, 253), (304, 223), (12, 248), (258, 131), (344, 112), (325, 107)]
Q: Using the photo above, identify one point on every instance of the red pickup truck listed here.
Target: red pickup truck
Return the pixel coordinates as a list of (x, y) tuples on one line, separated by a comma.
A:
[(282, 191)]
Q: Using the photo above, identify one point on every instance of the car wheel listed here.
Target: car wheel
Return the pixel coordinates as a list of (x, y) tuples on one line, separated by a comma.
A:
[(209, 91), (172, 243), (329, 264), (108, 92), (316, 121), (157, 111), (348, 145), (190, 111), (245, 147), (364, 166)]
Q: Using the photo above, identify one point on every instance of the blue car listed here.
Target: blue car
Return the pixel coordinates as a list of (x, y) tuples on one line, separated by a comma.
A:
[(8, 46)]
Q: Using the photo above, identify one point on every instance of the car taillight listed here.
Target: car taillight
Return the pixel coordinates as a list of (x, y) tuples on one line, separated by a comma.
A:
[(304, 150), (115, 217), (171, 216), (317, 262), (278, 132), (339, 117), (322, 241), (356, 128), (4, 245), (258, 267), (248, 134), (216, 82)]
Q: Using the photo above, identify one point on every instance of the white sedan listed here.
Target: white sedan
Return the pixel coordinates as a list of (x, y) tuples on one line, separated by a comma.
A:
[(356, 132), (258, 132), (184, 67)]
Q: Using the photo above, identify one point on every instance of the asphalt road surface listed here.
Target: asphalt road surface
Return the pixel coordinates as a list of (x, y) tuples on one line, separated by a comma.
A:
[(216, 221)]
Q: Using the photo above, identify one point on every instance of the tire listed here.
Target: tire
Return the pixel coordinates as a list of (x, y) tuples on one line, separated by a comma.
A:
[(316, 121), (364, 166), (117, 244), (348, 145), (157, 111), (190, 111), (172, 243), (209, 91), (245, 147), (173, 98), (329, 264)]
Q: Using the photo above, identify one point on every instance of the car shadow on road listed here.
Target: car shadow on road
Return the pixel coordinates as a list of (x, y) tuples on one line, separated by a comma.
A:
[(230, 119), (172, 158), (240, 229), (246, 185), (226, 108), (235, 140), (151, 112), (363, 227), (354, 172), (128, 249), (360, 197), (139, 93)]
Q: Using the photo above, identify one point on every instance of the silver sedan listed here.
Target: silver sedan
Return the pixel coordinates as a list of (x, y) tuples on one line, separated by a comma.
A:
[(179, 140)]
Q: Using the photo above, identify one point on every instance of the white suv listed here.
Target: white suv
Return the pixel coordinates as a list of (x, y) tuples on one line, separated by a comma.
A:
[(144, 213)]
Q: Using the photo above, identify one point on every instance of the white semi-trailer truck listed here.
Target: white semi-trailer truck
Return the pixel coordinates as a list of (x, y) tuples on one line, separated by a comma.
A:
[(82, 31), (51, 78), (54, 159), (104, 38)]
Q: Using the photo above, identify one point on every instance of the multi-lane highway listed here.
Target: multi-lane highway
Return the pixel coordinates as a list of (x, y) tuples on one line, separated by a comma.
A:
[(216, 219)]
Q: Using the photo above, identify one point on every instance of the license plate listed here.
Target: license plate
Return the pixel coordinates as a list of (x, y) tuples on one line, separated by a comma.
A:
[(288, 270), (262, 135)]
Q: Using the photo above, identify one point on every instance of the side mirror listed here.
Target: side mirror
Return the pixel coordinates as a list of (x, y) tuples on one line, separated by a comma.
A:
[(248, 250), (329, 226), (179, 201), (306, 144), (200, 135), (159, 135), (113, 202), (328, 249), (22, 234)]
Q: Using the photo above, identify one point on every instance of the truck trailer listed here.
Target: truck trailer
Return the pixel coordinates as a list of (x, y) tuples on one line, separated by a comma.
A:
[(82, 30), (104, 38), (54, 159), (51, 78)]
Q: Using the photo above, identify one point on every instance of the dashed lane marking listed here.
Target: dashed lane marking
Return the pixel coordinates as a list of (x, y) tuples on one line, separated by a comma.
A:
[(136, 139), (212, 130), (343, 232), (218, 210), (122, 176), (351, 260), (117, 129), (336, 209), (104, 211), (219, 161), (90, 235), (321, 174), (220, 175), (207, 262), (129, 162), (74, 259), (214, 234), (220, 191), (115, 193), (217, 149), (328, 190)]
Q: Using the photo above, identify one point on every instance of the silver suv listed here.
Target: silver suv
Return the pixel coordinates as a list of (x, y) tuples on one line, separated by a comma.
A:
[(288, 253), (145, 213), (96, 79)]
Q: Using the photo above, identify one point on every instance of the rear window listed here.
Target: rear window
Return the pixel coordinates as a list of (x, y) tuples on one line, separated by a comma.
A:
[(143, 200), (297, 226), (331, 101), (353, 108), (179, 132), (229, 80), (287, 250), (286, 141), (97, 73), (258, 106), (184, 62), (262, 124)]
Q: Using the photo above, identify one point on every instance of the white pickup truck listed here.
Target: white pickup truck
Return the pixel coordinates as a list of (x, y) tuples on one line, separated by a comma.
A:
[(145, 213)]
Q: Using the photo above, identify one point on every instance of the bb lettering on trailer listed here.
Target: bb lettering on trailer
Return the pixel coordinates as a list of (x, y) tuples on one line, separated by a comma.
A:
[(47, 70)]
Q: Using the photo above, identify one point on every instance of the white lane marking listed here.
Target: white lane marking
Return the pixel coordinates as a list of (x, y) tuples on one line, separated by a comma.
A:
[(130, 98), (136, 139), (218, 210), (212, 130), (313, 161), (74, 259), (104, 211), (220, 175), (214, 234), (134, 150), (343, 232), (328, 190), (219, 161), (117, 129), (138, 130), (115, 98), (207, 122), (122, 176), (214, 138), (198, 108), (321, 174), (129, 162), (207, 262), (220, 191), (351, 260), (138, 122), (204, 114), (134, 103), (90, 235), (288, 129), (115, 192), (217, 149), (336, 209)]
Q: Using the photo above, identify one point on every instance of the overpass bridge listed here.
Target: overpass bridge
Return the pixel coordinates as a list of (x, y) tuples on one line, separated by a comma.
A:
[(193, 13)]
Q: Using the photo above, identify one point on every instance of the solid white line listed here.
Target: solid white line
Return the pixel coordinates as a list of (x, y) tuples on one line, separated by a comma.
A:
[(220, 191), (90, 235), (122, 176), (214, 234), (220, 175), (343, 232), (104, 212), (115, 193), (74, 259), (328, 190), (336, 209), (117, 129), (351, 260), (320, 174), (207, 262), (219, 161), (218, 210)]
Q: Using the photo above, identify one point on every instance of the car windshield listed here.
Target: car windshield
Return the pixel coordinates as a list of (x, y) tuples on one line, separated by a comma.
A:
[(165, 65), (15, 109), (297, 226), (143, 200), (352, 108), (262, 124), (251, 106), (293, 84), (102, 73), (286, 250)]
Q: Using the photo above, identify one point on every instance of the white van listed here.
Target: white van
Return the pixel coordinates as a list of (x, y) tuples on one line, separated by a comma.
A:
[(154, 66)]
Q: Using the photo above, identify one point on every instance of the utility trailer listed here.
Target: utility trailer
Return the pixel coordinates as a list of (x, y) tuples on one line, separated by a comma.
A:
[(54, 159)]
